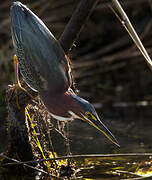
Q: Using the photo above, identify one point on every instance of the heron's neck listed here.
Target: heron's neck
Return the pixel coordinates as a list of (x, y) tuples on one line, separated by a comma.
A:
[(58, 104)]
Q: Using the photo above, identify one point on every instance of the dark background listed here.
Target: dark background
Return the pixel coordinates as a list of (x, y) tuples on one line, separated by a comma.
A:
[(109, 71)]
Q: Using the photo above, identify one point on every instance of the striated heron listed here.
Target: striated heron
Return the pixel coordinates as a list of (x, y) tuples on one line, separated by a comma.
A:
[(46, 69)]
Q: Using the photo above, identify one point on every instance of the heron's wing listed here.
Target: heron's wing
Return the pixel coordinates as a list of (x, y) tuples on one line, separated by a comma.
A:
[(42, 60)]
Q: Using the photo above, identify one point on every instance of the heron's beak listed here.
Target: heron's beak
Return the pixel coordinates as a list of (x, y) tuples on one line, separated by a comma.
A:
[(96, 122)]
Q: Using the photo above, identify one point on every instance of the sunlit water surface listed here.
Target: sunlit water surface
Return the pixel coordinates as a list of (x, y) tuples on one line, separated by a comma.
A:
[(134, 136)]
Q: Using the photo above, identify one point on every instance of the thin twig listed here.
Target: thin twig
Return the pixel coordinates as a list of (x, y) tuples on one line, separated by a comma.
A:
[(16, 162), (81, 156), (131, 31)]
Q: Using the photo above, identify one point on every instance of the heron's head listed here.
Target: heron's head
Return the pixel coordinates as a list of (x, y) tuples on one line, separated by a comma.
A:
[(88, 113)]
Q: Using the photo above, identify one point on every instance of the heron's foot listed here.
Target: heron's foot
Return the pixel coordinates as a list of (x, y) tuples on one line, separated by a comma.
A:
[(16, 88)]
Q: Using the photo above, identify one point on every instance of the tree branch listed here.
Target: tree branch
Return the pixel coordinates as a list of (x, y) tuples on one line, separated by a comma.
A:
[(76, 23), (131, 31)]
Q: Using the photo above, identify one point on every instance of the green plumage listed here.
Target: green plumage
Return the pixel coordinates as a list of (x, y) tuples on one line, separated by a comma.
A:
[(42, 61)]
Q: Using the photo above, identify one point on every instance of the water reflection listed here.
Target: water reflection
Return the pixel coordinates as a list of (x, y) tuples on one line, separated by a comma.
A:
[(133, 131), (104, 167), (115, 167)]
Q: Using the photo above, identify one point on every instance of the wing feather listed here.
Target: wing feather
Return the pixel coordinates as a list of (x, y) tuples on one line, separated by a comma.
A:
[(42, 60)]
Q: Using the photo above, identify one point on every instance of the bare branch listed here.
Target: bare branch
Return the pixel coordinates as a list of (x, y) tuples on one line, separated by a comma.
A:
[(76, 23), (131, 31)]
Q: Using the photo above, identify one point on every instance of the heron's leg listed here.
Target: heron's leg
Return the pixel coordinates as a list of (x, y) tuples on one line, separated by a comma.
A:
[(17, 85), (17, 82)]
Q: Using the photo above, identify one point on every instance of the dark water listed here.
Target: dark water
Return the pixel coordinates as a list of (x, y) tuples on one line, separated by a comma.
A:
[(134, 133)]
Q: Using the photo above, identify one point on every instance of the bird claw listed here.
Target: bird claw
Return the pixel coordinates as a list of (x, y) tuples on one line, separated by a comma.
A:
[(16, 87)]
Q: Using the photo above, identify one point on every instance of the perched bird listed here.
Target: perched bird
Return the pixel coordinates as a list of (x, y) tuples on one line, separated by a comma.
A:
[(46, 69)]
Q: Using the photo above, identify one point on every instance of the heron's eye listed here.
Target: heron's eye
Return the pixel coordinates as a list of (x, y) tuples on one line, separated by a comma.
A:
[(90, 116)]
